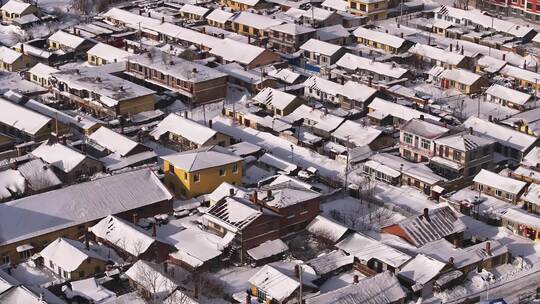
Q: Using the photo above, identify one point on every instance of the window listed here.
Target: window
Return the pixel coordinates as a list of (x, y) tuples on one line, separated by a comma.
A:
[(196, 177), (5, 260), (425, 144), (457, 155), (407, 138), (235, 168), (498, 192), (97, 269), (509, 196), (51, 264), (185, 176), (81, 274), (222, 171), (66, 274)]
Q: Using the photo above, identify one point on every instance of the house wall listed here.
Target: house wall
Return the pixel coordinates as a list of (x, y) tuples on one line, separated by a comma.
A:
[(372, 10), (8, 17), (89, 268), (183, 183), (135, 105), (500, 194)]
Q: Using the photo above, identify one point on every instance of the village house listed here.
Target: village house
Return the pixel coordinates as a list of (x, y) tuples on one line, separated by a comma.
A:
[(131, 241), (509, 143), (250, 24), (270, 285), (522, 78), (103, 53), (35, 221), (529, 168), (288, 37), (502, 187), (192, 173), (462, 155), (40, 73), (416, 138), (220, 18), (277, 102), (193, 12), (335, 34), (251, 56), (522, 223), (321, 53), (459, 79), (243, 5), (373, 10), (186, 134), (362, 69), (319, 122), (267, 252), (527, 122), (14, 9), (383, 112), (315, 17), (432, 225), (371, 256), (196, 83), (152, 281), (72, 260), (70, 165), (509, 97), (69, 43), (380, 40), (352, 134), (100, 93), (488, 65), (434, 56), (13, 61), (25, 124)]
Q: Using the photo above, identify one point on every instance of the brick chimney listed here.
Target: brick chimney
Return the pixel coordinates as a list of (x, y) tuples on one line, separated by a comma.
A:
[(297, 271), (451, 261), (86, 241), (268, 194), (154, 230), (426, 214), (210, 124), (254, 198), (231, 192), (135, 219), (165, 268), (488, 248), (355, 279)]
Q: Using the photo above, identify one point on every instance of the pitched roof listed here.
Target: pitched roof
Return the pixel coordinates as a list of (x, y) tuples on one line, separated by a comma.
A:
[(292, 29), (386, 108), (60, 156), (497, 181), (504, 135), (114, 142), (67, 207), (234, 213), (327, 228), (274, 283), (275, 98), (329, 262), (365, 248), (320, 47), (285, 195), (8, 55), (424, 128), (228, 50), (464, 141), (21, 118), (42, 70), (202, 158), (220, 16), (256, 21), (460, 76), (108, 52), (187, 128), (66, 39), (68, 254), (436, 53), (268, 249), (15, 7), (421, 269), (380, 37), (354, 62), (508, 94)]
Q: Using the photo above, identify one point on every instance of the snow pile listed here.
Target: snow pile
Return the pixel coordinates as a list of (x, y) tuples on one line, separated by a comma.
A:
[(11, 182)]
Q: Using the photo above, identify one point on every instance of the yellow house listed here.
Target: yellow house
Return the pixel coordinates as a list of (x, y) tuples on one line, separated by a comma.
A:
[(102, 53), (72, 260), (192, 173), (15, 9), (242, 5), (373, 9), (40, 74), (249, 24), (13, 61)]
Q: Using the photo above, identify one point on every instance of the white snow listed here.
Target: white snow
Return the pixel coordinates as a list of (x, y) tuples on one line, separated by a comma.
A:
[(11, 182)]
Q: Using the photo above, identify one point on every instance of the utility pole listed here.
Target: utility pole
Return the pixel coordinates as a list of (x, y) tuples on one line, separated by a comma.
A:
[(300, 274), (292, 154), (140, 37), (347, 164), (204, 113)]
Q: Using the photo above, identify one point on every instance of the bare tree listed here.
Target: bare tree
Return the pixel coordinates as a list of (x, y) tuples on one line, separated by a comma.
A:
[(154, 285)]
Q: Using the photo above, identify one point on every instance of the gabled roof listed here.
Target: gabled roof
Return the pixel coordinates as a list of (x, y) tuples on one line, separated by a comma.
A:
[(67, 39), (354, 62), (508, 94), (329, 262), (380, 37), (285, 195), (114, 142), (268, 249), (126, 236), (228, 50), (60, 156), (436, 53), (461, 76), (327, 228), (234, 213), (365, 248), (68, 254), (497, 181), (421, 269), (8, 55), (424, 128), (464, 141), (356, 133), (42, 70), (256, 21), (21, 118), (108, 52), (15, 7), (504, 135), (274, 283), (320, 47), (441, 222), (203, 158), (194, 9), (220, 16), (385, 108), (81, 203), (292, 29), (163, 286), (275, 98)]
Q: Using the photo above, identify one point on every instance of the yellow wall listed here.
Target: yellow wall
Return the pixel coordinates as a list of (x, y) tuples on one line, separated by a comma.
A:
[(209, 179), (136, 105)]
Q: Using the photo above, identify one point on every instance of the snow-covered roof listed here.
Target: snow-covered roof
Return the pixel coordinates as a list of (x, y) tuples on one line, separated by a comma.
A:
[(67, 207), (332, 32), (464, 141), (194, 9), (424, 128), (384, 108), (316, 13), (42, 70), (357, 91), (130, 18), (508, 94), (11, 182), (29, 294), (68, 254), (60, 156), (519, 73), (275, 98), (438, 54), (324, 121), (421, 269), (111, 89), (502, 134), (202, 158), (125, 235), (234, 213), (417, 170), (356, 133), (285, 195), (228, 50), (365, 248), (259, 22), (380, 37), (353, 62), (324, 85), (292, 29), (327, 228), (268, 249), (38, 175), (532, 158), (274, 283), (277, 163), (244, 148), (92, 290), (8, 55), (383, 288), (187, 128), (108, 52), (460, 76), (195, 246), (441, 222), (149, 277), (338, 5), (67, 39), (114, 142), (224, 190), (490, 64), (329, 262), (15, 7), (320, 47), (381, 167), (285, 75), (497, 181), (220, 16), (516, 215)]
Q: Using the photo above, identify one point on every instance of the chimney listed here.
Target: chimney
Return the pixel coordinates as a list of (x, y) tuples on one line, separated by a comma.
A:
[(451, 46), (268, 194), (135, 219), (355, 279), (22, 50), (421, 116), (504, 57), (149, 14), (140, 12), (490, 118), (386, 31), (186, 114), (426, 214), (470, 130), (248, 298), (165, 268), (249, 39), (210, 124), (370, 81), (86, 241), (254, 198), (297, 271), (154, 230), (162, 19), (488, 248), (231, 192), (525, 64), (462, 51), (401, 34), (451, 261)]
